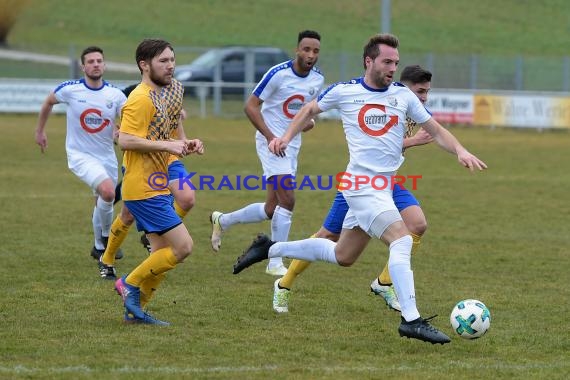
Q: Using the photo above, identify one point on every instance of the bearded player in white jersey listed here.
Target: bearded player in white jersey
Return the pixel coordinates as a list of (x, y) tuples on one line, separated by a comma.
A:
[(374, 112), (276, 99), (93, 105)]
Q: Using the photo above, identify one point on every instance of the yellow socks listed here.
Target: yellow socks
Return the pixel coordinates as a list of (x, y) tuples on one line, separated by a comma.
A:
[(179, 210), (158, 262), (384, 277), (416, 242), (295, 268), (149, 286), (117, 235)]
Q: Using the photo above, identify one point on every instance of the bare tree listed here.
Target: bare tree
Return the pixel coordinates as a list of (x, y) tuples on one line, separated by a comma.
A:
[(9, 12)]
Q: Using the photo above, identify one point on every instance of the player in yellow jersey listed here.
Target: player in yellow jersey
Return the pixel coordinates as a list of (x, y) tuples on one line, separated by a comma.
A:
[(184, 195), (146, 138)]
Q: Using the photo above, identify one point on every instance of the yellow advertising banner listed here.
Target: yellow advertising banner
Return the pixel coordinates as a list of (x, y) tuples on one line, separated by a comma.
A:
[(530, 111)]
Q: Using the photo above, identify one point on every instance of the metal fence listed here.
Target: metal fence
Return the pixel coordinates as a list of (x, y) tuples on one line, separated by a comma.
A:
[(459, 72), (468, 71), (455, 72)]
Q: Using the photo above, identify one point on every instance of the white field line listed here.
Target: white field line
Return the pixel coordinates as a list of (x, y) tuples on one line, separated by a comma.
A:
[(21, 195), (23, 370)]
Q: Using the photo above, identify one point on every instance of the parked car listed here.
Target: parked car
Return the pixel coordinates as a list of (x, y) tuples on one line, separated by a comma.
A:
[(232, 63)]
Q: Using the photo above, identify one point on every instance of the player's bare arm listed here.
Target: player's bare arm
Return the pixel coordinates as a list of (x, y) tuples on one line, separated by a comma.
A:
[(192, 145), (195, 146), (47, 106), (448, 142), (303, 118), (116, 129), (253, 111), (421, 137), (139, 144), (309, 126)]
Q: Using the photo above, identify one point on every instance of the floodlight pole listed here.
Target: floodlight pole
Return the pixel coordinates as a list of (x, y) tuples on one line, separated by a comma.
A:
[(385, 15), (73, 63)]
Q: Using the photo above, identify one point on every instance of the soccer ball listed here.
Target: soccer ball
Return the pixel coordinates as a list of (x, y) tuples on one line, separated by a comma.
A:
[(470, 319)]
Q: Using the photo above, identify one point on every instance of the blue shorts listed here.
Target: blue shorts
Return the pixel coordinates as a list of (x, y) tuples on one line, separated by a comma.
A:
[(337, 212), (176, 171), (403, 199), (154, 215)]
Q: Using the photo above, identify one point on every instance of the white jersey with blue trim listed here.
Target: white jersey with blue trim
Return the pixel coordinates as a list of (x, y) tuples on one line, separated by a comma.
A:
[(91, 114), (374, 122), (284, 92)]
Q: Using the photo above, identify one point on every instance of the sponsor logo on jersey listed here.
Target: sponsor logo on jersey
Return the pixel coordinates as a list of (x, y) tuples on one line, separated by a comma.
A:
[(292, 105), (374, 121), (91, 120)]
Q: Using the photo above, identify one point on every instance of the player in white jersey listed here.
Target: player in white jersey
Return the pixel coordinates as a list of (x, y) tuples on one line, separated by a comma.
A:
[(373, 111), (276, 99), (418, 80), (93, 105)]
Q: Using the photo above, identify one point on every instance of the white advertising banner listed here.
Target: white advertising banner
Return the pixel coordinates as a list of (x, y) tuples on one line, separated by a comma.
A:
[(482, 108), (450, 107), (26, 96)]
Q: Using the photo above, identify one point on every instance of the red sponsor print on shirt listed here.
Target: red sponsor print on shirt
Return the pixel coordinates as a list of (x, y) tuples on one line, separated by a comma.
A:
[(92, 121), (366, 118), (292, 105)]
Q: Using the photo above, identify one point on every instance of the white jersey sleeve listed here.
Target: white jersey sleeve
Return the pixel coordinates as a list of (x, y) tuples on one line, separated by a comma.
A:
[(284, 92), (417, 111), (373, 122)]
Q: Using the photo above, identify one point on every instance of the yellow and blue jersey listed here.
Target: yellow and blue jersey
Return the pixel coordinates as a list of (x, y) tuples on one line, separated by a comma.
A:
[(145, 115), (173, 95)]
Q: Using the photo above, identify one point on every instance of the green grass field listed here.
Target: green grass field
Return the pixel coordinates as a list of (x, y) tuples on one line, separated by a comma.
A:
[(508, 27), (500, 236), (442, 34)]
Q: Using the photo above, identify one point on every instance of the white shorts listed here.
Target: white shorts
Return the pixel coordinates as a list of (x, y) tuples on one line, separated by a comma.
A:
[(93, 170), (365, 206), (272, 164)]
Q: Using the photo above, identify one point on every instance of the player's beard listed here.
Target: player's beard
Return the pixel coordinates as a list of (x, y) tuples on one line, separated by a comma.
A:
[(158, 80), (381, 80), (308, 66), (94, 77)]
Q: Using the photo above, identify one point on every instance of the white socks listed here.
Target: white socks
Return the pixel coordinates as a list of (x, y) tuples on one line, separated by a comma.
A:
[(281, 224), (105, 211), (313, 249), (252, 213), (280, 227), (255, 213), (402, 276), (96, 220)]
